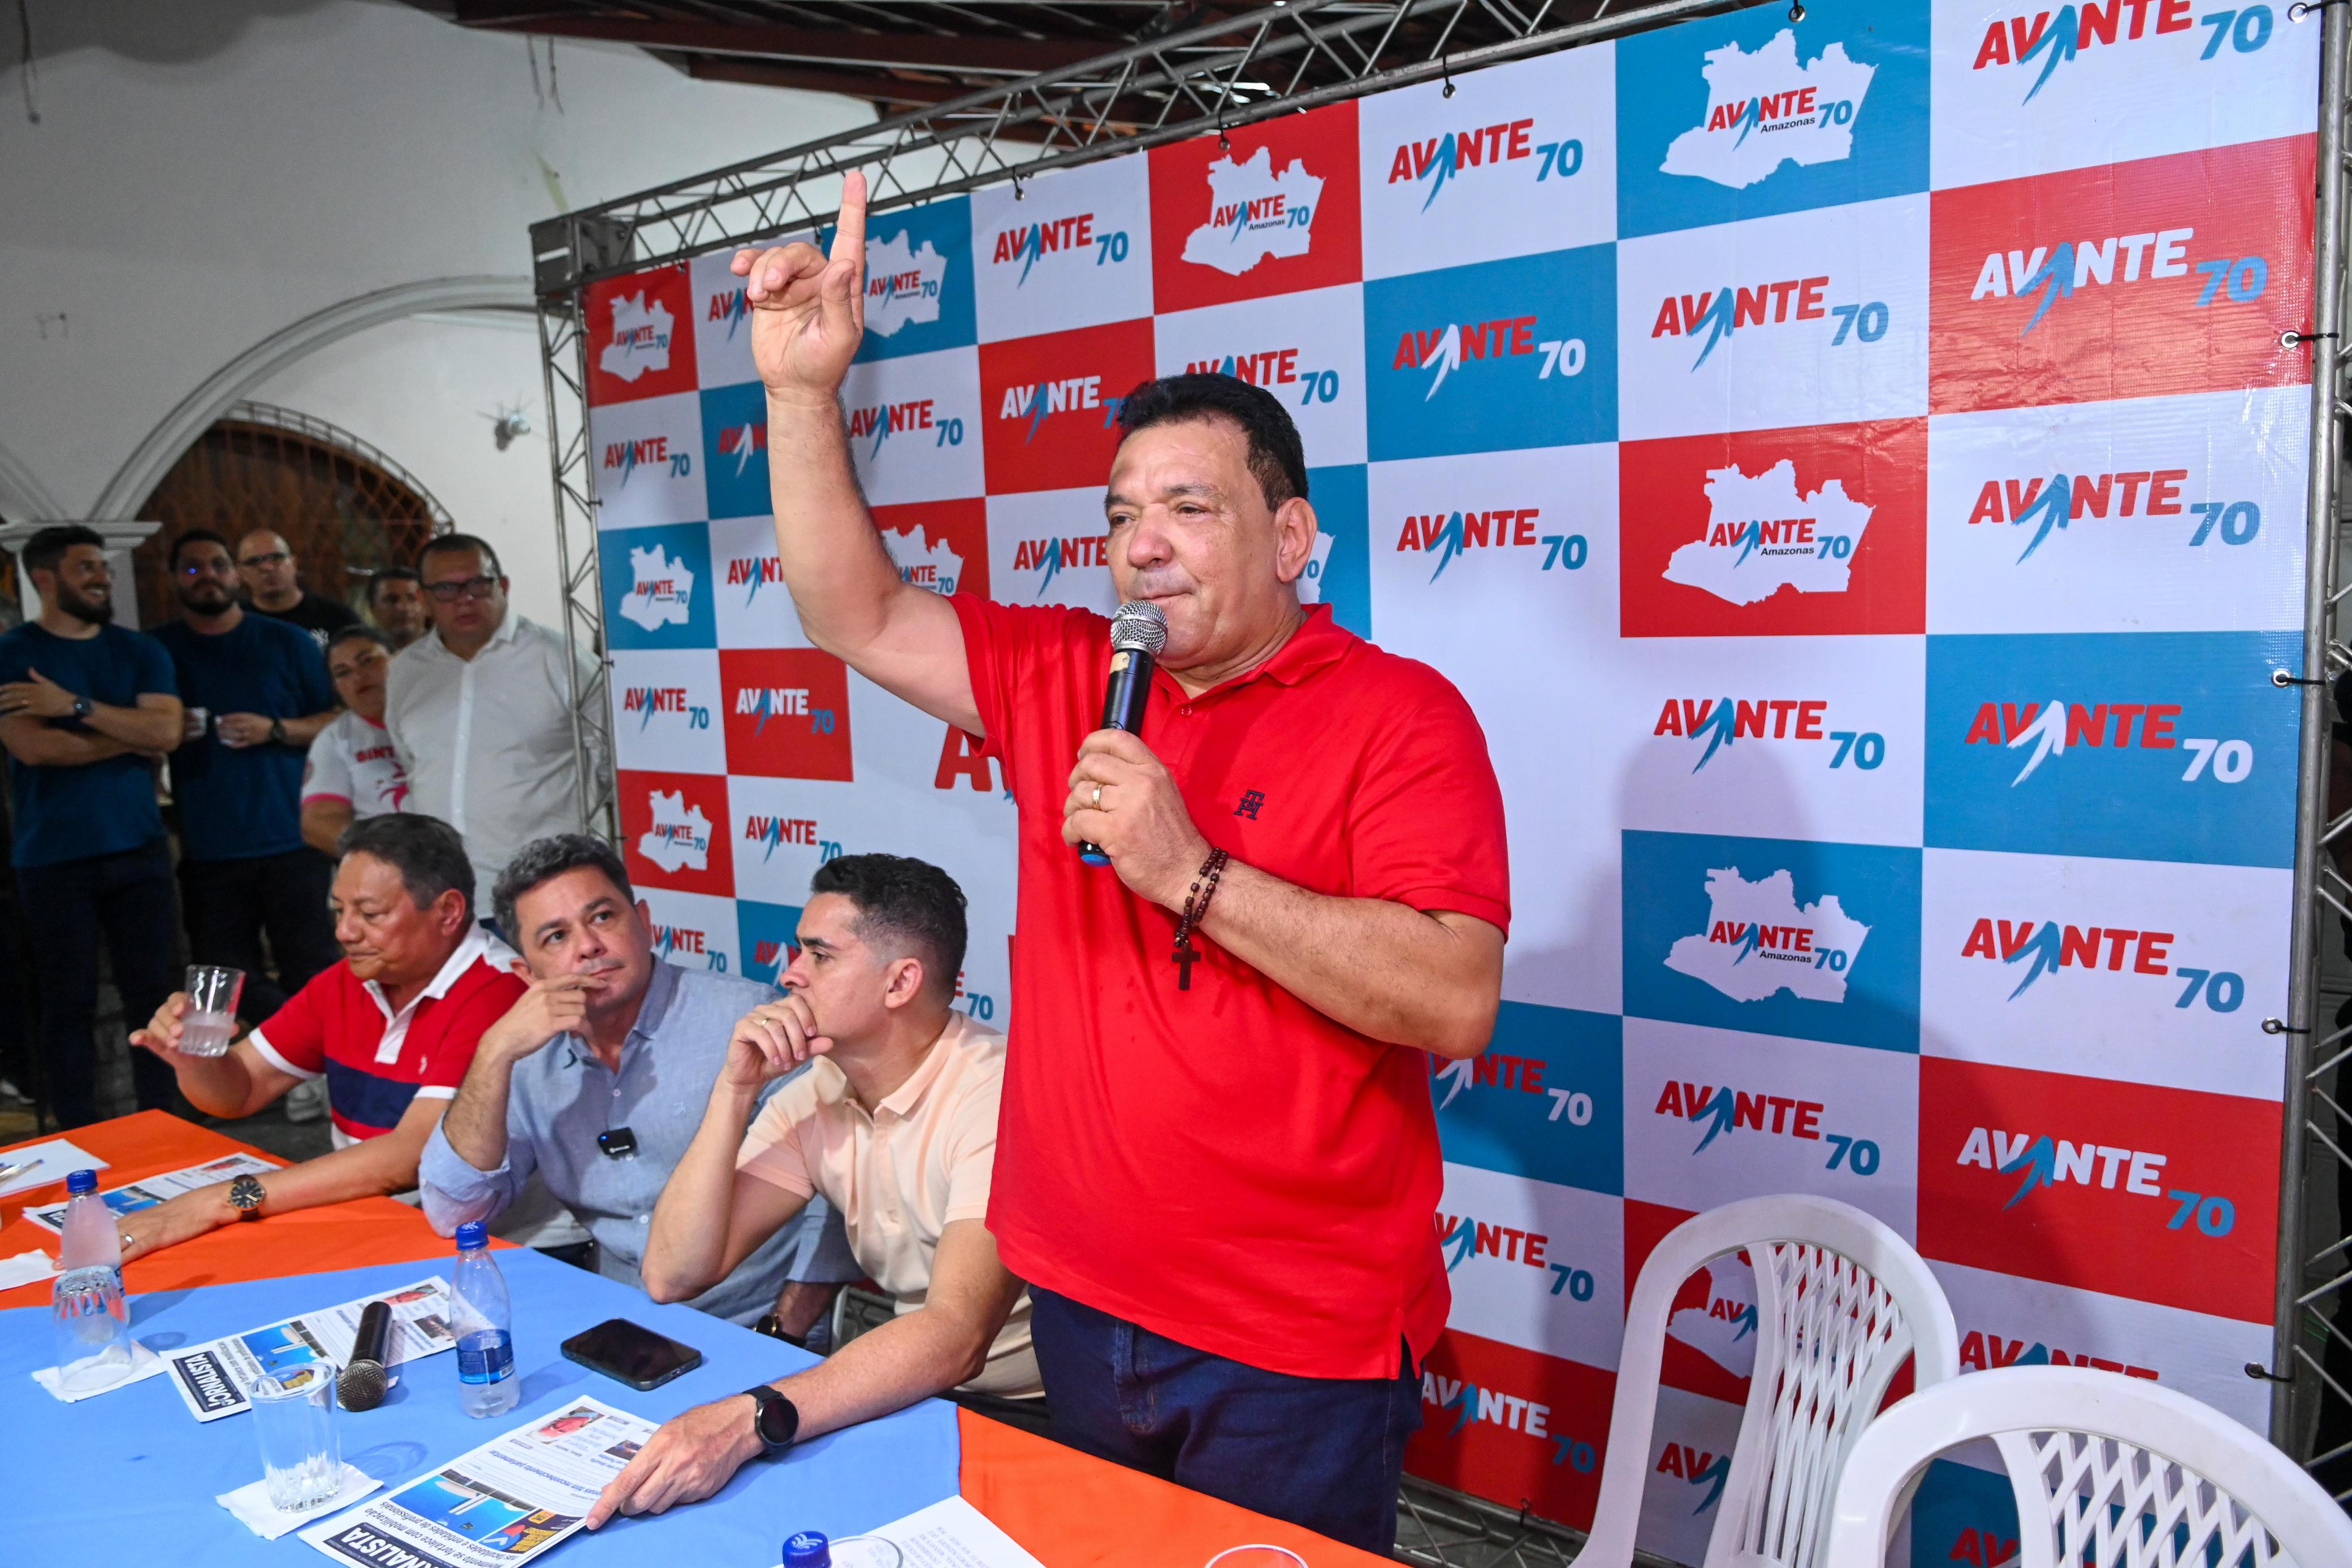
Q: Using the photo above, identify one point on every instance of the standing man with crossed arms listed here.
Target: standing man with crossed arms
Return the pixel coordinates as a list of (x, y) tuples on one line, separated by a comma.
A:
[(1220, 1174)]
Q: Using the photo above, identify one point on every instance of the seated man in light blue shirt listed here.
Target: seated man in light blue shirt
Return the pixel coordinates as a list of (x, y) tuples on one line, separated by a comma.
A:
[(597, 1078)]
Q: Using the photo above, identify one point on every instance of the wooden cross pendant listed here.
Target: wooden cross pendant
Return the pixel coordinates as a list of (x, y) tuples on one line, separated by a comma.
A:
[(1184, 958)]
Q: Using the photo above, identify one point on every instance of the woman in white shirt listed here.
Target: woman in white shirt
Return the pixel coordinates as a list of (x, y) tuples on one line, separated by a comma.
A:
[(353, 771)]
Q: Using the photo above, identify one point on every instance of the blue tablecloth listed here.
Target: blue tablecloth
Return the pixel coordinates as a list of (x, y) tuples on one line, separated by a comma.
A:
[(130, 1476)]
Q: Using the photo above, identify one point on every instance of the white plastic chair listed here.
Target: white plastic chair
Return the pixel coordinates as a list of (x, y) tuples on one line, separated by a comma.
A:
[(2109, 1472), (1840, 1302)]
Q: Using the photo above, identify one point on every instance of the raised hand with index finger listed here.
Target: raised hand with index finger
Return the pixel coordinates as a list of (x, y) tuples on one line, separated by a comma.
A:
[(808, 309)]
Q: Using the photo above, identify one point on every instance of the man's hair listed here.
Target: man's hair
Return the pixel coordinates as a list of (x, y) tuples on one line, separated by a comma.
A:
[(392, 574), (194, 537), (545, 859), (48, 546), (447, 544), (425, 850), (1276, 460), (360, 634), (903, 901)]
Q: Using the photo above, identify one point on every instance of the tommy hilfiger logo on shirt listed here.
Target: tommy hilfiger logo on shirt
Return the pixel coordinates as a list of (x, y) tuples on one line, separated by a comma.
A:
[(1251, 800)]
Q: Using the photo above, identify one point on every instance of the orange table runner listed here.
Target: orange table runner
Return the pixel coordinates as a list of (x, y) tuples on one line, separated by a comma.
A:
[(352, 1235), (1070, 1510)]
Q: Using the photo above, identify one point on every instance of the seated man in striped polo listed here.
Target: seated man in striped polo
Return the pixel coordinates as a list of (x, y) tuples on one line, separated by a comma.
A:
[(392, 1027)]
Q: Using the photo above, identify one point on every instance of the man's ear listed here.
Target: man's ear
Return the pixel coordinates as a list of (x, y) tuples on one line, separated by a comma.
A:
[(904, 983), (451, 910), (1295, 528)]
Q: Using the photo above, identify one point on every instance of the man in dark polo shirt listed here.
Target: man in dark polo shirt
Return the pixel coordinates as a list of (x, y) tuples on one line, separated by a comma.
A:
[(1218, 1165), (84, 705)]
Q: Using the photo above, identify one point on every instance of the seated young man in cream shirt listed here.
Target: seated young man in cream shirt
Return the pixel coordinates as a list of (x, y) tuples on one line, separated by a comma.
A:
[(895, 1125)]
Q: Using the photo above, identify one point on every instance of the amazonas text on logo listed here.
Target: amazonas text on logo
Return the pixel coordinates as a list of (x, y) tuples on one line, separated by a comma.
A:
[(1039, 402), (1724, 721), (2036, 506), (1447, 156), (1770, 108), (2142, 260), (766, 703), (2050, 728), (1052, 237), (1718, 313), (2039, 46), (772, 831), (1048, 557), (2041, 1162), (1449, 534), (2038, 947), (652, 452), (1446, 347), (1726, 1110), (1983, 1350)]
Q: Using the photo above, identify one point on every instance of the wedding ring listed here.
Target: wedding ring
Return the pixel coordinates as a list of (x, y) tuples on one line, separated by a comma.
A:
[(1098, 796)]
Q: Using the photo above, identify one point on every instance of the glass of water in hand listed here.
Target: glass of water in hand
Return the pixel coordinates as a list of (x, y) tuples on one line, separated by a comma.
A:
[(211, 1018), (294, 1416)]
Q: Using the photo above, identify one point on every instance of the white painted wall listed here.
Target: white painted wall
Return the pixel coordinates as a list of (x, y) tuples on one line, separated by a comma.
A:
[(205, 174)]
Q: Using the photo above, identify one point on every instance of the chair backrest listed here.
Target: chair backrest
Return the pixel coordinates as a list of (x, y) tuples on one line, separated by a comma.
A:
[(1841, 1302), (2109, 1471)]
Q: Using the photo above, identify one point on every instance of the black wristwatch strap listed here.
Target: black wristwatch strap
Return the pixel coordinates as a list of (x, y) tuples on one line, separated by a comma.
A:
[(277, 730), (775, 1420)]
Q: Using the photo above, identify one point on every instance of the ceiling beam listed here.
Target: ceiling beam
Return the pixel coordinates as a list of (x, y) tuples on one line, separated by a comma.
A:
[(981, 55), (877, 87)]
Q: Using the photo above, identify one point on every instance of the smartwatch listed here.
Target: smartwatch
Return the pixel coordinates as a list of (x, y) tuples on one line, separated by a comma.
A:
[(245, 1195), (775, 1420)]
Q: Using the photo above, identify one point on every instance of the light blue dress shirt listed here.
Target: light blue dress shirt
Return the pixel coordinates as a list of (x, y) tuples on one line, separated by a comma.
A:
[(563, 1097)]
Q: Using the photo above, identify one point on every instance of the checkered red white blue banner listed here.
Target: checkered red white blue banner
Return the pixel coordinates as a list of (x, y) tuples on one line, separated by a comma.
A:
[(1851, 466)]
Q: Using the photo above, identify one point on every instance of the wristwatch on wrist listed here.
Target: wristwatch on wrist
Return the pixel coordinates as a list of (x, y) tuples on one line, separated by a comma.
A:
[(277, 730), (775, 1420), (245, 1195), (81, 708)]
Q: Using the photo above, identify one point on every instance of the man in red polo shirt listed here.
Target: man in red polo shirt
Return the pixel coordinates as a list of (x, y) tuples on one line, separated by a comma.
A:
[(392, 1027), (1218, 1165)]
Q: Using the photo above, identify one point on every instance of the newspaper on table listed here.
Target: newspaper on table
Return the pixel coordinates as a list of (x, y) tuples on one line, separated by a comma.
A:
[(498, 1506), (149, 1191), (212, 1378)]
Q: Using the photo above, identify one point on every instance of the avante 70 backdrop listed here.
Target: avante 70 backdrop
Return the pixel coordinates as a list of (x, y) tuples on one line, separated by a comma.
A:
[(1854, 467)]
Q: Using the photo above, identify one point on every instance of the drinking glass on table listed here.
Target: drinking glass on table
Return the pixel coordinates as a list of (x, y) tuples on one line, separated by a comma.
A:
[(1256, 1556), (211, 1020), (294, 1417), (93, 1329)]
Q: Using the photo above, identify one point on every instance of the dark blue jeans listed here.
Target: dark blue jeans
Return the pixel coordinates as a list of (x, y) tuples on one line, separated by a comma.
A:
[(1322, 1452)]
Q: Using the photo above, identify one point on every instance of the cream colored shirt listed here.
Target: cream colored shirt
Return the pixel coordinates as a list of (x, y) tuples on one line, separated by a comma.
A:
[(901, 1175)]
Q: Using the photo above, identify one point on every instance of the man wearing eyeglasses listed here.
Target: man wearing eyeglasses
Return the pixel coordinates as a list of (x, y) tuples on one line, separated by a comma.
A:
[(480, 712), (273, 585)]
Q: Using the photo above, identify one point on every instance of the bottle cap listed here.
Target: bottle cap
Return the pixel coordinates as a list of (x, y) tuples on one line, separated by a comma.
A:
[(471, 1234), (81, 1181), (807, 1549)]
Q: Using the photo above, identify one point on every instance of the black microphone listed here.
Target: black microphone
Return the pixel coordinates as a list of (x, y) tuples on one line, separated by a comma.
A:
[(363, 1383), (1138, 633)]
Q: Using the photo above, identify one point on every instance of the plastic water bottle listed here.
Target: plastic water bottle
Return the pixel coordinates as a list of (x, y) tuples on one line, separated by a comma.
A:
[(92, 1320), (90, 1239), (810, 1549), (485, 1348)]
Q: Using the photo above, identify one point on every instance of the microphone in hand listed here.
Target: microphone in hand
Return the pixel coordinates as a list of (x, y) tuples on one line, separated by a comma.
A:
[(1137, 631)]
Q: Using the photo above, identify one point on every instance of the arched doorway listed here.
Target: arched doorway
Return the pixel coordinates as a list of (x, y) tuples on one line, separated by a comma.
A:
[(347, 509)]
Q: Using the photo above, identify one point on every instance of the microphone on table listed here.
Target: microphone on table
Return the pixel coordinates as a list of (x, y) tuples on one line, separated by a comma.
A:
[(363, 1383), (1138, 633)]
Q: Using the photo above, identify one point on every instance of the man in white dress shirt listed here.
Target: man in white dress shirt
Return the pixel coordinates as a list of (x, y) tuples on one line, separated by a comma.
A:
[(480, 712)]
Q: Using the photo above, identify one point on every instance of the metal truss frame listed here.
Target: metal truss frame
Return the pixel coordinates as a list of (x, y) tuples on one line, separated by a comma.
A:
[(1294, 55)]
